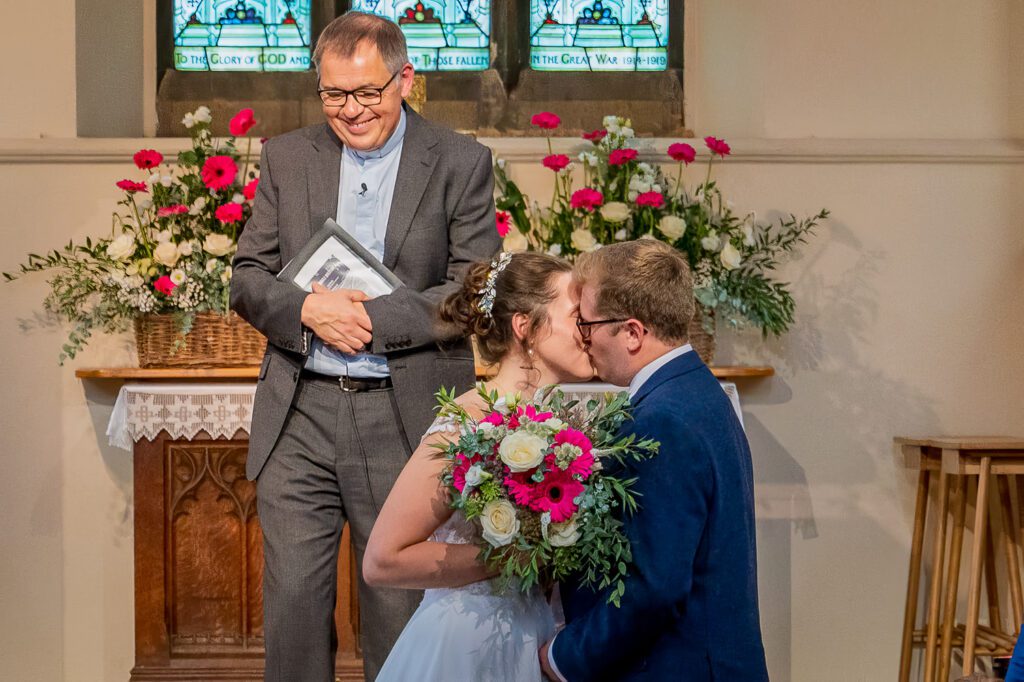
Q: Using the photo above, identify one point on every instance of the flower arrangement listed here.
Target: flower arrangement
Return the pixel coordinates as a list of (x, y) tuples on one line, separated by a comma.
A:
[(532, 476), (170, 248), (732, 256)]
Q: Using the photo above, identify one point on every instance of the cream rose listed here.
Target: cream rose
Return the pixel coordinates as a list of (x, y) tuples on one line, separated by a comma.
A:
[(730, 256), (499, 522), (121, 248), (515, 241), (672, 226), (522, 450), (615, 212), (563, 534), (711, 242), (583, 240), (217, 244), (166, 253)]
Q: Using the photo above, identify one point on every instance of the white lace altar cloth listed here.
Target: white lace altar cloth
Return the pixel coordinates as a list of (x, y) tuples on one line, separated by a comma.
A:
[(143, 410)]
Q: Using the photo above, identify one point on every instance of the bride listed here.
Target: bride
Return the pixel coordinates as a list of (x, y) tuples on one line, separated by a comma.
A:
[(521, 311)]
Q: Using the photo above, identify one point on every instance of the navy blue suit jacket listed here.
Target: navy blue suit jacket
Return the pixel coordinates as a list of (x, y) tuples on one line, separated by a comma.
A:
[(690, 608)]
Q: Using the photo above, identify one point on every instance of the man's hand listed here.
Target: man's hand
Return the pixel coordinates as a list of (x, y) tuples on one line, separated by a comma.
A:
[(338, 317), (545, 666)]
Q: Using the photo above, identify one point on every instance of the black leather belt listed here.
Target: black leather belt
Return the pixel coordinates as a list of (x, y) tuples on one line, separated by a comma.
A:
[(348, 384)]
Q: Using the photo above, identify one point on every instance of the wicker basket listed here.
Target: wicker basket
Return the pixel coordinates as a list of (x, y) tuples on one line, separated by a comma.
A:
[(701, 339), (214, 341)]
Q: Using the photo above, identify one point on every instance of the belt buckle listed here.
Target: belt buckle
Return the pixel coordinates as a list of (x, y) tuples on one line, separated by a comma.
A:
[(343, 382)]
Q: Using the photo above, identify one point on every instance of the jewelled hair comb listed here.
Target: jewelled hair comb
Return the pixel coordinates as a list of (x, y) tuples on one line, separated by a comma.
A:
[(487, 293)]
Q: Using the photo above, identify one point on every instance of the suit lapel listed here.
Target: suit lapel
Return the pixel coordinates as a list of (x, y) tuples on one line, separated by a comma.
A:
[(414, 171), (324, 177), (687, 362)]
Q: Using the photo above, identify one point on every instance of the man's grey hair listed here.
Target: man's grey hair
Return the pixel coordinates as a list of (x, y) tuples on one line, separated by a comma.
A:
[(344, 34)]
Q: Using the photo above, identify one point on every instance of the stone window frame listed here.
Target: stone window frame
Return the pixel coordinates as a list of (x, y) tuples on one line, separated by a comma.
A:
[(494, 102)]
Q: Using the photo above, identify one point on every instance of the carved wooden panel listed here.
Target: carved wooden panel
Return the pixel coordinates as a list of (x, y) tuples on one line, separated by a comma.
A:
[(199, 567)]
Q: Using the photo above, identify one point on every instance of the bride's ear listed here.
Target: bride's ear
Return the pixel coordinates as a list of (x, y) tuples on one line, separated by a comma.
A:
[(520, 327)]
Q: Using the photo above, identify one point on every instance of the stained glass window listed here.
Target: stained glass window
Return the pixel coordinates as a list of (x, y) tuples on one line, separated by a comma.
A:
[(599, 35), (443, 35), (241, 35)]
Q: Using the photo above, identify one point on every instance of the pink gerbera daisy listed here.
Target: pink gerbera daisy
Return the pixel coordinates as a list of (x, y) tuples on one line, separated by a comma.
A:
[(584, 464), (462, 465), (555, 494)]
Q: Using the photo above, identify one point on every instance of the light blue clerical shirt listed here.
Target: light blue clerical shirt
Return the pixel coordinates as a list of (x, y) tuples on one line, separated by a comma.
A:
[(364, 205)]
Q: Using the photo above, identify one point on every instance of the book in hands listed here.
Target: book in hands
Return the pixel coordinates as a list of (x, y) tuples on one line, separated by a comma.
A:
[(336, 260)]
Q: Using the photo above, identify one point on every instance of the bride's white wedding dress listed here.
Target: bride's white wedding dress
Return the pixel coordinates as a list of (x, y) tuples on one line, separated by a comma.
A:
[(470, 633)]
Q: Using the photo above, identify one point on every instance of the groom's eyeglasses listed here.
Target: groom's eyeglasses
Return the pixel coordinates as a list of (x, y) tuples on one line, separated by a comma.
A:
[(366, 96), (586, 326)]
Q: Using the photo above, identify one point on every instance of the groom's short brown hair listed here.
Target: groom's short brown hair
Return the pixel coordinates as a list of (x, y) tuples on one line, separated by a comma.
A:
[(646, 280)]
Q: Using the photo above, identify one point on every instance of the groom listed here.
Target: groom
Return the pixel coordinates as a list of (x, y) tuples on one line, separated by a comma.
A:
[(690, 611)]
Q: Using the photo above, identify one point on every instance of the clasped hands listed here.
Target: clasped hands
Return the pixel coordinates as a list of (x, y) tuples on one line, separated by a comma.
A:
[(338, 317)]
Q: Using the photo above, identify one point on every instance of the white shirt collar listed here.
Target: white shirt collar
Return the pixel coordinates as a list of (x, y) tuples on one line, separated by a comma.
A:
[(397, 137), (654, 365)]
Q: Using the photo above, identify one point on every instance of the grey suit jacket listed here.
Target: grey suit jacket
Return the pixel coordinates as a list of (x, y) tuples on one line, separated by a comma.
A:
[(441, 221)]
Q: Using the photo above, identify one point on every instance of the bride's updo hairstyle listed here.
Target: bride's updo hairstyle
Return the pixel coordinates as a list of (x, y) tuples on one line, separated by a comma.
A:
[(524, 285)]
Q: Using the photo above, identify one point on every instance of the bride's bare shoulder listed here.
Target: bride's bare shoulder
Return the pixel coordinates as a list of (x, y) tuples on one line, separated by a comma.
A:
[(472, 403)]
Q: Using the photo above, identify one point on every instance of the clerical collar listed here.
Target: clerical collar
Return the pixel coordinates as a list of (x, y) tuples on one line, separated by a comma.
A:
[(396, 139)]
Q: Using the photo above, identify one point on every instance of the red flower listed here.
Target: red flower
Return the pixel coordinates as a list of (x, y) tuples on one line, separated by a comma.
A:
[(680, 151), (532, 414), (520, 487), (164, 285), (588, 199), (652, 199), (219, 172), (596, 135), (462, 465), (176, 209), (582, 465), (502, 219), (556, 494), (496, 418), (546, 120), (619, 157), (242, 122), (556, 162), (717, 146), (229, 213), (249, 191), (148, 158), (131, 186)]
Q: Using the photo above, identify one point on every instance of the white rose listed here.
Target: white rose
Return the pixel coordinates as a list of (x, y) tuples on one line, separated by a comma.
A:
[(122, 248), (217, 244), (476, 475), (185, 249), (583, 240), (189, 120), (730, 256), (499, 522), (238, 198), (672, 226), (166, 253), (178, 276), (620, 235), (555, 249), (515, 241), (163, 236), (522, 451), (202, 114), (563, 534), (711, 242), (615, 212)]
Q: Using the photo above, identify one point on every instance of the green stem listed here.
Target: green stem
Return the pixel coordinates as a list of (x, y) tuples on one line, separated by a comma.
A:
[(142, 230), (679, 180)]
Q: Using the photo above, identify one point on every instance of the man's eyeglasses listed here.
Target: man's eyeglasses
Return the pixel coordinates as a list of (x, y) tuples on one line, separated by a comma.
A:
[(586, 326), (367, 97)]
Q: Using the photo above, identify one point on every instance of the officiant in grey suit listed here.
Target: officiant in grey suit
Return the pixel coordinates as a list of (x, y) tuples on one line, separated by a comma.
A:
[(346, 388)]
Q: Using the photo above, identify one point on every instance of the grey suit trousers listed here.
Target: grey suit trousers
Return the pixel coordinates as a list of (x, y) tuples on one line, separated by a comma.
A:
[(335, 462)]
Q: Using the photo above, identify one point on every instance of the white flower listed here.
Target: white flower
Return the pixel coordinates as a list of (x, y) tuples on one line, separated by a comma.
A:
[(166, 180), (211, 265), (563, 534), (672, 226), (656, 188), (499, 522), (145, 203), (202, 114), (163, 236), (620, 235), (515, 241), (611, 124), (178, 276), (730, 256), (132, 269), (644, 168), (136, 281), (217, 244), (143, 265), (522, 450), (189, 120), (501, 164), (615, 211), (648, 235), (154, 178), (554, 423), (166, 253), (588, 158), (626, 132), (122, 248), (476, 475), (197, 206), (712, 242), (238, 198), (633, 194), (185, 249), (583, 240), (748, 235), (555, 249), (226, 275)]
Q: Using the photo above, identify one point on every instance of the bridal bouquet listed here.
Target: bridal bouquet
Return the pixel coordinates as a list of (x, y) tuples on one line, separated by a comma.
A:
[(531, 476), (170, 247), (622, 197)]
